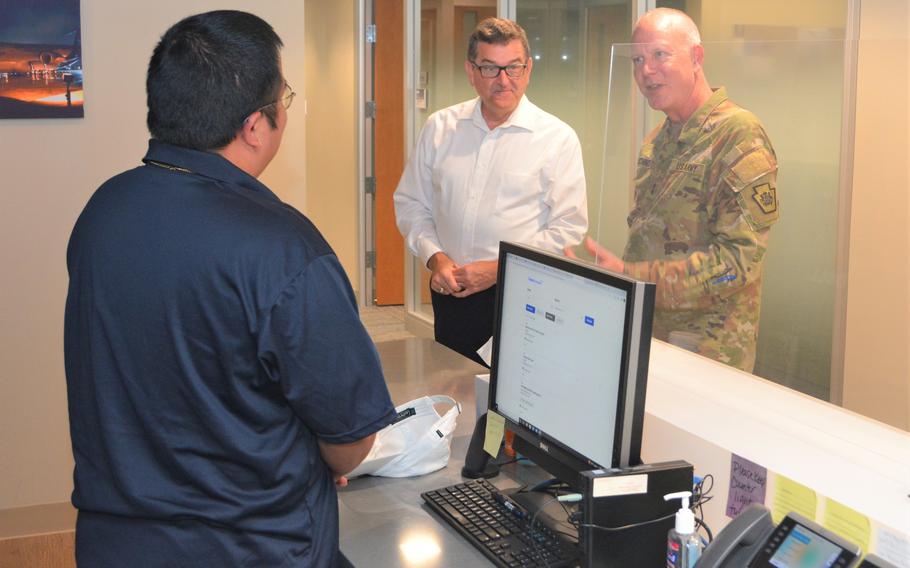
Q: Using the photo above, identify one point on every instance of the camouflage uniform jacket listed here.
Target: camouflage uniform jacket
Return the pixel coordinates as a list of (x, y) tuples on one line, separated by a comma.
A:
[(704, 204)]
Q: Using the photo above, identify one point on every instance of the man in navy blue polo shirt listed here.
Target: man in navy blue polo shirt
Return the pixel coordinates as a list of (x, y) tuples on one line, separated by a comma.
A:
[(220, 382)]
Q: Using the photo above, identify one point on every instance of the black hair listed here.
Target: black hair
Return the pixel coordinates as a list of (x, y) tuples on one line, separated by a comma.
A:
[(208, 73)]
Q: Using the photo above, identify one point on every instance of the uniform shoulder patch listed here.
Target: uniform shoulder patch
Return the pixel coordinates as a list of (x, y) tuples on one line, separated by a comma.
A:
[(759, 204), (766, 197)]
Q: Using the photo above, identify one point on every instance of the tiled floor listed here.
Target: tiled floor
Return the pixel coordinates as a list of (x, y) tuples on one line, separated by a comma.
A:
[(384, 323)]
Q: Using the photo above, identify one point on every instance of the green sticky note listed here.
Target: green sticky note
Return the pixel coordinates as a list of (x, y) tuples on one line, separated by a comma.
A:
[(493, 437), (846, 522), (791, 496)]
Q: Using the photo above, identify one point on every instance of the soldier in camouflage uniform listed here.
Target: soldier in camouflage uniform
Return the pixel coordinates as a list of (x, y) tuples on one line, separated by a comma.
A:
[(705, 199)]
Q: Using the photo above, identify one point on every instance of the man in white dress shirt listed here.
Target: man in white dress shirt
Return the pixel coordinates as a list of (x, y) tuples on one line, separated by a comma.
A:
[(489, 169)]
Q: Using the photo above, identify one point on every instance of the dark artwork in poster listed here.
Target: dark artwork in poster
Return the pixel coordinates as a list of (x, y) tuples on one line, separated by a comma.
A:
[(40, 59)]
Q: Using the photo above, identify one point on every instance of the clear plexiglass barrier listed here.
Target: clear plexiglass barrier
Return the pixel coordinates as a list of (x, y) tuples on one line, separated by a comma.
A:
[(796, 89)]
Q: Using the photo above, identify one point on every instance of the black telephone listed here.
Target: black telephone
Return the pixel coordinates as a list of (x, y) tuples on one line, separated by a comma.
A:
[(751, 540), (873, 561), (740, 540)]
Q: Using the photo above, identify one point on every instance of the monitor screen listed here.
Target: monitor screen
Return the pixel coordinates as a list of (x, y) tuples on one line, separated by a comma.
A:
[(570, 350), (804, 549), (800, 543)]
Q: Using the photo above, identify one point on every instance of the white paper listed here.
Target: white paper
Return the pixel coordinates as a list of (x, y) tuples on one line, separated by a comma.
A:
[(620, 485), (486, 352)]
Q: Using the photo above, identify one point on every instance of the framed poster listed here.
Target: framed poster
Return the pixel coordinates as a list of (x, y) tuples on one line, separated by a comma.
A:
[(40, 59)]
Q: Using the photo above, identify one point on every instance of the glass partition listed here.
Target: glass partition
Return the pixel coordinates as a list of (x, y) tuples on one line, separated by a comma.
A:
[(570, 43), (783, 62), (795, 88)]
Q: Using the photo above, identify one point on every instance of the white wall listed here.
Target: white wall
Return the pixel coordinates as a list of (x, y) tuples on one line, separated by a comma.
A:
[(49, 169)]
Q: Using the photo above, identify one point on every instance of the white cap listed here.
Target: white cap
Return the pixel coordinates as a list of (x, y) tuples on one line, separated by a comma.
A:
[(685, 518)]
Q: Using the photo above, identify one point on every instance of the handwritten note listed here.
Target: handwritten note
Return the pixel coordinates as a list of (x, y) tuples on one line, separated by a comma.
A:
[(791, 496), (748, 482), (493, 436), (846, 522)]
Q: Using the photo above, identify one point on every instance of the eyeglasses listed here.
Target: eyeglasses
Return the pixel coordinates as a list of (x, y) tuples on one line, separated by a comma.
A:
[(286, 99), (514, 70)]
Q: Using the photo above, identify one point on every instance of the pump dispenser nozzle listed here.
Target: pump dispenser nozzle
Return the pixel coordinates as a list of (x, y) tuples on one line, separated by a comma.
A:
[(685, 518), (683, 545)]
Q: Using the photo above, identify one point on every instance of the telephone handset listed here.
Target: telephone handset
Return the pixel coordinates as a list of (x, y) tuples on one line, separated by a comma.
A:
[(738, 542)]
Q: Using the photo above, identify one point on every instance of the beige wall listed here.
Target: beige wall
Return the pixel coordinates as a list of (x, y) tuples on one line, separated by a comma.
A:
[(331, 133), (715, 16), (877, 365), (49, 169)]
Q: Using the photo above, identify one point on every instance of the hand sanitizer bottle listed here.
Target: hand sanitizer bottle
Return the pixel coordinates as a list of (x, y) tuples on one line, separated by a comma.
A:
[(683, 544)]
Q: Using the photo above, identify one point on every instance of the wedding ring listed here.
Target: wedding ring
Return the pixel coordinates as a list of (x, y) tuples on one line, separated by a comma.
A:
[(442, 290)]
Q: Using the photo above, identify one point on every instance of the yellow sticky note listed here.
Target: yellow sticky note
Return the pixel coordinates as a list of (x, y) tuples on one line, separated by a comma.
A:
[(791, 496), (846, 522), (493, 437)]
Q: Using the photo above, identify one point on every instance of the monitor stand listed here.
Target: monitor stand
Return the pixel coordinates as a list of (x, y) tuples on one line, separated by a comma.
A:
[(477, 460)]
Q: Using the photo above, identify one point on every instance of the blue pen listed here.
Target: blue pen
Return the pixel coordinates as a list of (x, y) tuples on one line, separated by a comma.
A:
[(509, 505)]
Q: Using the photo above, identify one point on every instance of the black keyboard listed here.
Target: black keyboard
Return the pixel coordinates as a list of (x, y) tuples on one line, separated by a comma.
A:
[(499, 527)]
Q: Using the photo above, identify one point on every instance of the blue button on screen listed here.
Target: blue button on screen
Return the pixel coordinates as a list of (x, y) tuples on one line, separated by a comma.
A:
[(589, 320), (530, 308)]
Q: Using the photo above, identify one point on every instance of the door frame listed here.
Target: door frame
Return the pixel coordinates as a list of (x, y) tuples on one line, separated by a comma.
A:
[(365, 81), (365, 168)]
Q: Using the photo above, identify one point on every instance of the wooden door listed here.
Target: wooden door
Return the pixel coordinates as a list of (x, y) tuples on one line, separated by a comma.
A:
[(388, 148)]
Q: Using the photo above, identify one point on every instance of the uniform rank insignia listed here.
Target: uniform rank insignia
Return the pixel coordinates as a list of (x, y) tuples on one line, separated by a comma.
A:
[(766, 197)]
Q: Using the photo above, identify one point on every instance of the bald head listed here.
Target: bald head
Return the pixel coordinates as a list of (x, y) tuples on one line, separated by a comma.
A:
[(667, 56), (669, 22)]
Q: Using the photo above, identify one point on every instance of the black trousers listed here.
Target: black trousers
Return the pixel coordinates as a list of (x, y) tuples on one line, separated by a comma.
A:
[(464, 324)]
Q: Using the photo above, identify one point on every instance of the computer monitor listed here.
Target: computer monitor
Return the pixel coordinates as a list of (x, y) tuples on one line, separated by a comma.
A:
[(570, 361)]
